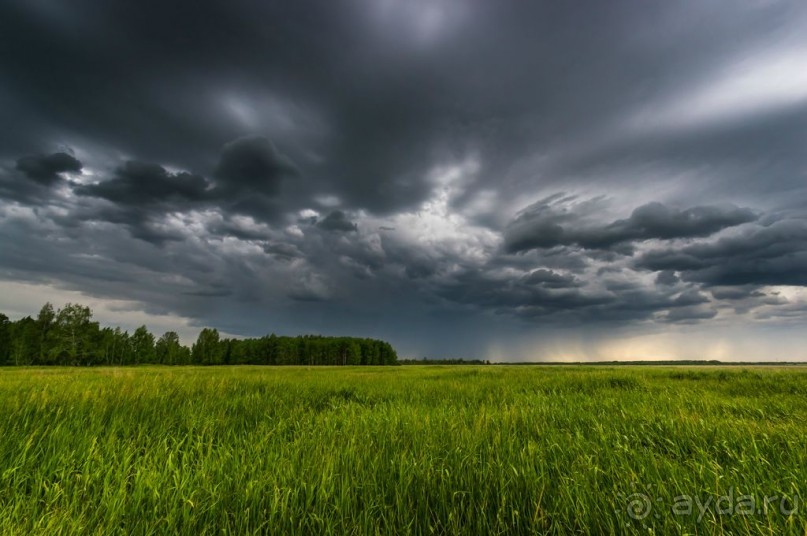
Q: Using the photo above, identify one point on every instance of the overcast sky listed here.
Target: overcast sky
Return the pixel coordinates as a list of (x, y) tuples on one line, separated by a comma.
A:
[(506, 180)]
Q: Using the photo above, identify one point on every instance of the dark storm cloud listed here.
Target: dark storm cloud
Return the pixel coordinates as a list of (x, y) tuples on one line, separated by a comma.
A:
[(188, 96), (139, 195), (146, 184), (362, 163), (33, 179), (283, 251), (690, 297), (15, 187), (689, 315), (142, 223), (519, 297), (541, 226), (337, 221), (736, 293), (47, 169), (575, 303), (411, 81), (754, 300), (550, 279), (241, 230), (397, 84), (667, 278), (771, 255), (247, 181), (253, 165)]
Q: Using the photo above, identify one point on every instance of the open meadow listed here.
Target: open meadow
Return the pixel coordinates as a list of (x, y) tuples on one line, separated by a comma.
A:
[(403, 450)]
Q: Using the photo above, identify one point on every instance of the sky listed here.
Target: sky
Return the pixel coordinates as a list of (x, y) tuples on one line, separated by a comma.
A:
[(505, 180)]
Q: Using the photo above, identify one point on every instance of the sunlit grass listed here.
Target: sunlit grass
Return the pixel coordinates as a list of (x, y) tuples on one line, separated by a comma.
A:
[(399, 450)]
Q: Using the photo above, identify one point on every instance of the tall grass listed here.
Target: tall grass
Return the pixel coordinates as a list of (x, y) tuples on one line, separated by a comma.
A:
[(404, 450)]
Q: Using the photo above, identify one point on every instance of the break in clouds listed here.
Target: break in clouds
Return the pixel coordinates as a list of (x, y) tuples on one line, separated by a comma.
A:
[(479, 179)]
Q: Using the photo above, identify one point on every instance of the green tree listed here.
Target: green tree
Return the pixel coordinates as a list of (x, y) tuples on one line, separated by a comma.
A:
[(115, 347), (70, 337), (168, 349), (208, 349), (143, 345), (5, 340), (74, 334), (184, 357), (24, 341), (46, 344), (353, 352)]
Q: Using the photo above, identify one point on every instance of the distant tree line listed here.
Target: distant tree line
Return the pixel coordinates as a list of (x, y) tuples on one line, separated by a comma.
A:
[(68, 336), (452, 361)]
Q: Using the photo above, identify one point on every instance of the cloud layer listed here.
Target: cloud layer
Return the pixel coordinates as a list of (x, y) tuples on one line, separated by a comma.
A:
[(461, 178)]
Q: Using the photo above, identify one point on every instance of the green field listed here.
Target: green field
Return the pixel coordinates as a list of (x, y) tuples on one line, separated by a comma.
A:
[(399, 450)]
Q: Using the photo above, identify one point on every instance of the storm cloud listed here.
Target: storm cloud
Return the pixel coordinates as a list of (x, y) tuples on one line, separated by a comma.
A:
[(337, 221), (486, 179), (144, 184), (252, 165), (541, 227), (47, 169), (775, 254)]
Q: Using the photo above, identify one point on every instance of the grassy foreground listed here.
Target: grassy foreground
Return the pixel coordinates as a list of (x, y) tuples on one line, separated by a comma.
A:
[(398, 450)]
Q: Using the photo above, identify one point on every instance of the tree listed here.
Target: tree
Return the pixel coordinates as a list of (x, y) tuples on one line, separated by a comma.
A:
[(207, 350), (143, 345), (5, 340), (353, 352), (168, 349), (74, 333), (115, 347), (70, 337), (45, 326), (24, 341)]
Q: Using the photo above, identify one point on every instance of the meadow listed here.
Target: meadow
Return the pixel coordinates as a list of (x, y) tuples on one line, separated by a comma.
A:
[(403, 450)]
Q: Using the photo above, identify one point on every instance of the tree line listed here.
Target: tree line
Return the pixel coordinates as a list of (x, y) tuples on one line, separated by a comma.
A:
[(69, 336), (448, 361)]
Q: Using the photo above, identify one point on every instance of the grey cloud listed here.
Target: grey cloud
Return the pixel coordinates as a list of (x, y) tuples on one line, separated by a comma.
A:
[(514, 297), (542, 226), (793, 312), (690, 297), (655, 220), (283, 251), (229, 226), (337, 221), (771, 255), (310, 287), (550, 279), (141, 183), (211, 293), (148, 232), (689, 314), (365, 103), (418, 269), (735, 293), (139, 195), (254, 165), (392, 105), (15, 187), (667, 278), (248, 179), (46, 169), (142, 224), (622, 285), (751, 298)]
